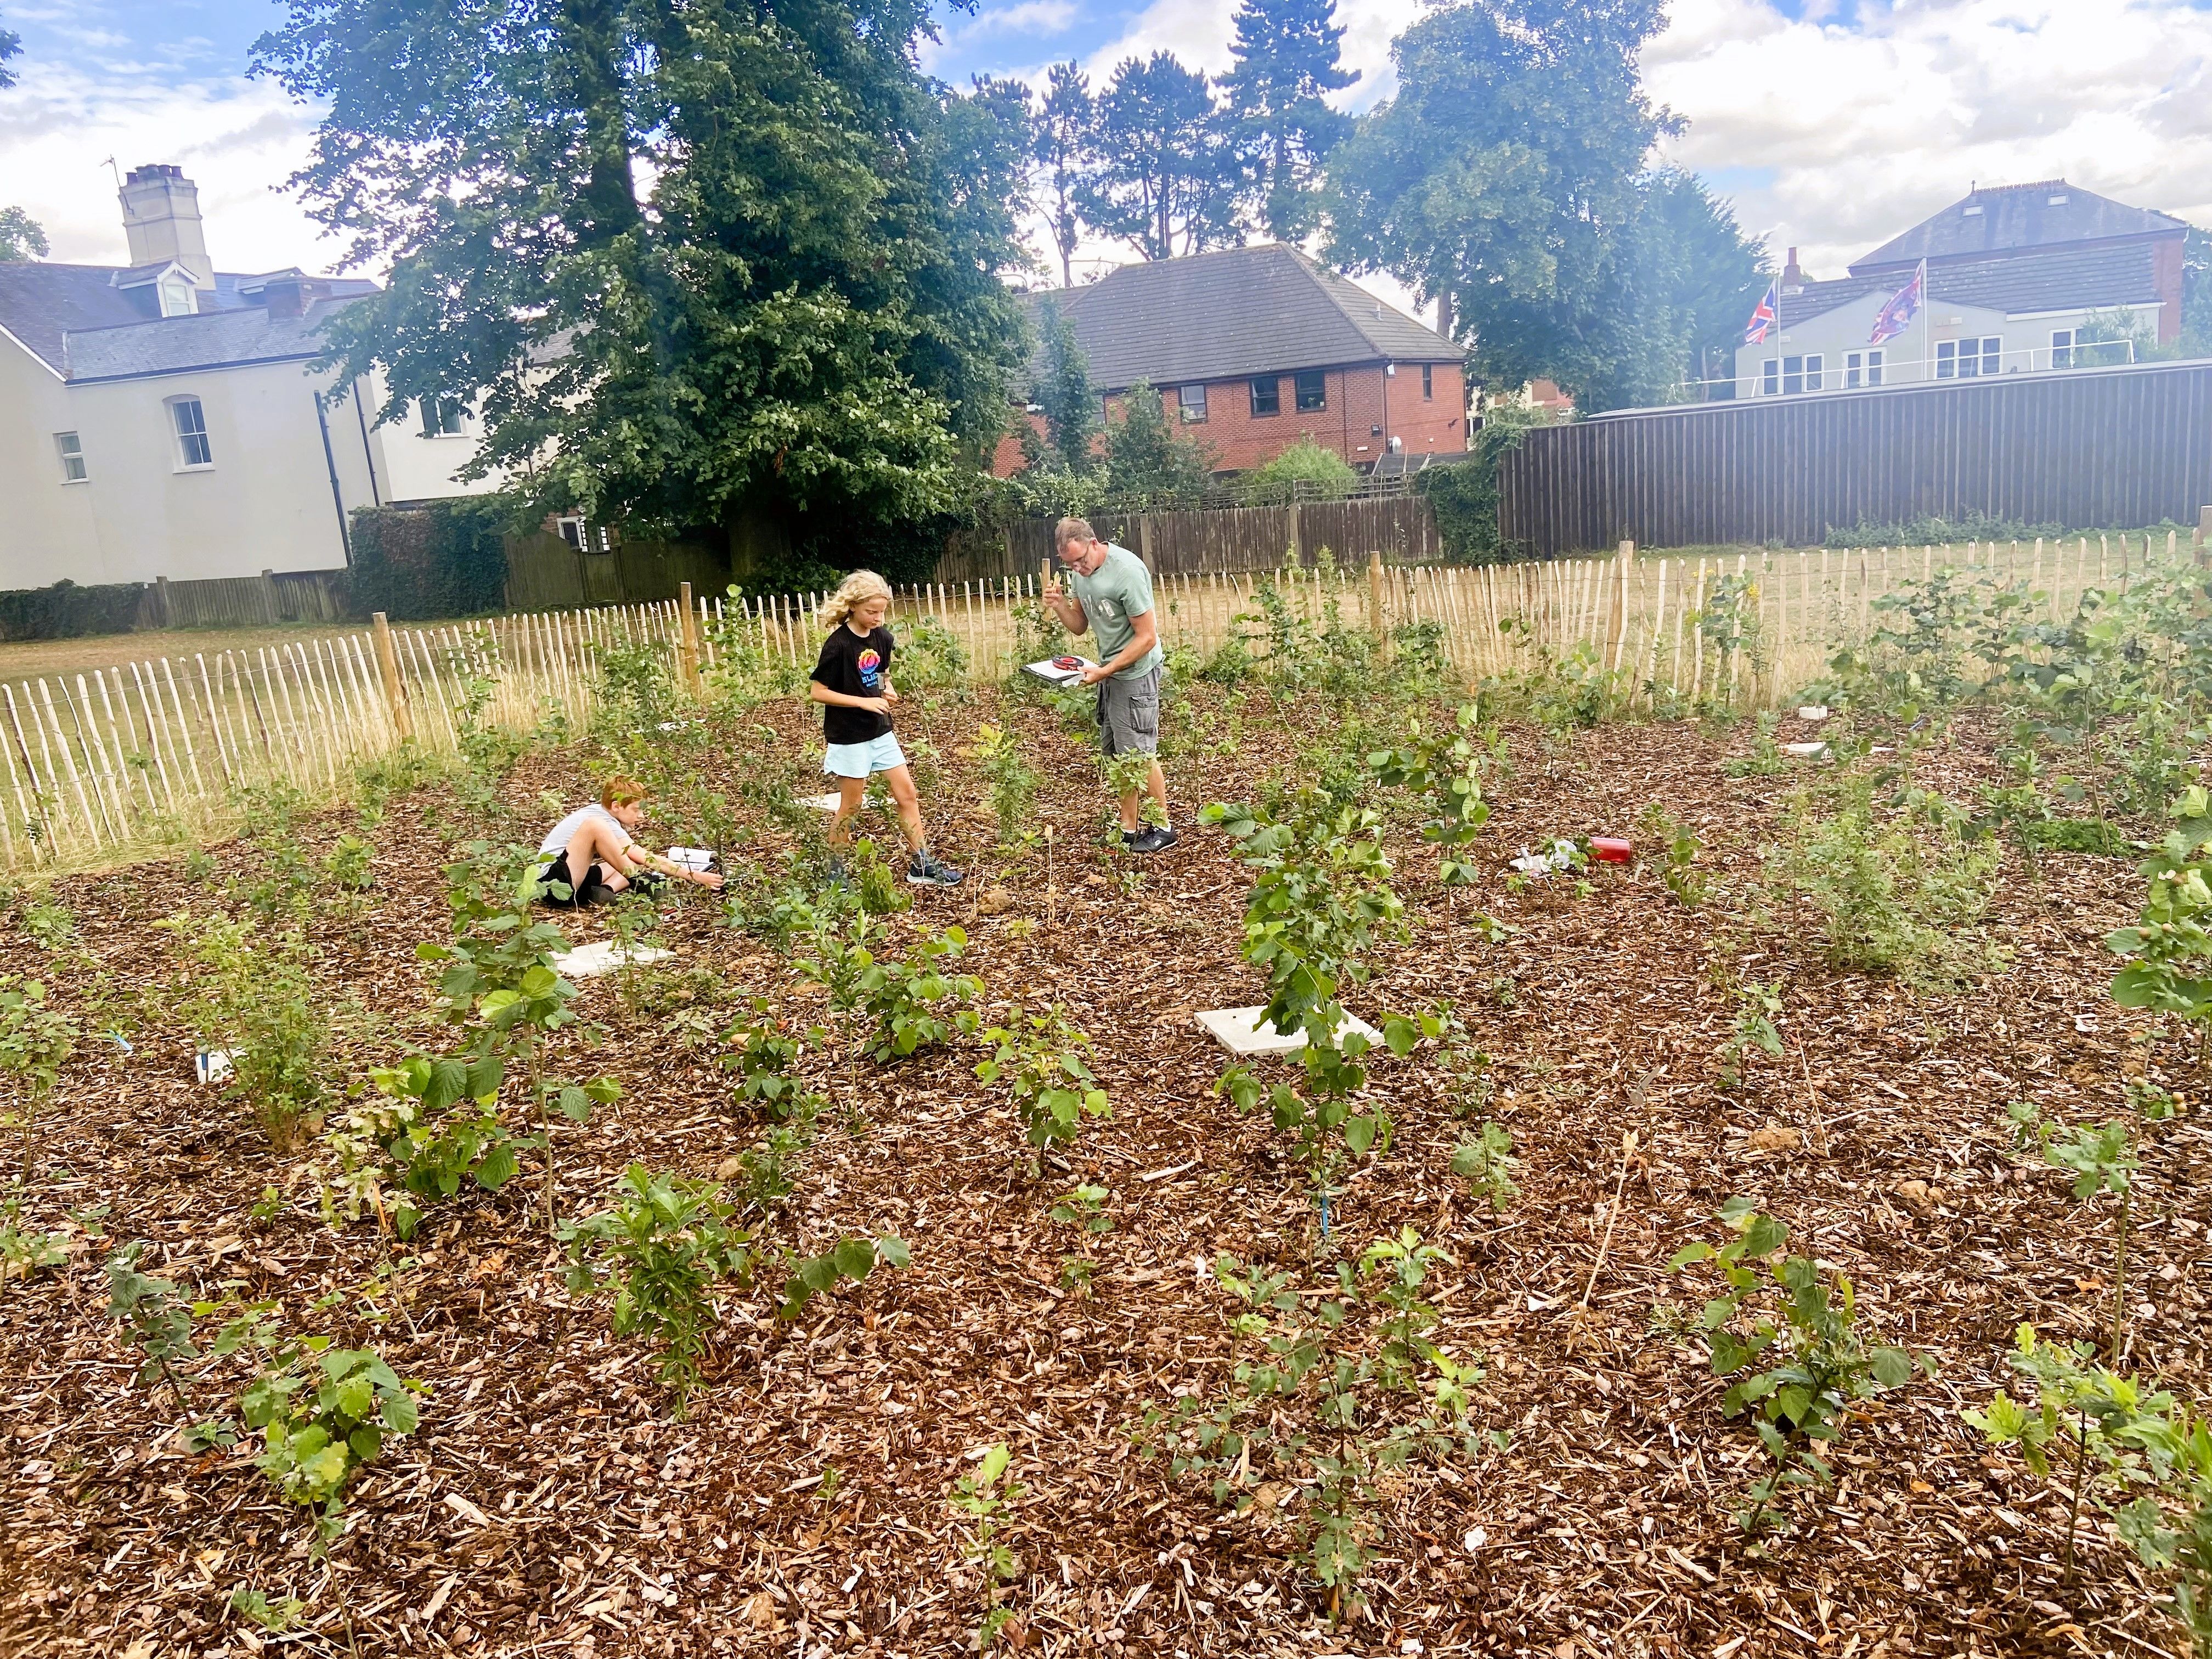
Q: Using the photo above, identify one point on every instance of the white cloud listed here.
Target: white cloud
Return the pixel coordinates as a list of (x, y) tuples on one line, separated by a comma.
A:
[(238, 140)]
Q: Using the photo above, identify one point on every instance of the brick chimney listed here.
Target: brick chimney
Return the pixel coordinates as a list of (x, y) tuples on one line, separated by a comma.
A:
[(1793, 275), (162, 220), (290, 296)]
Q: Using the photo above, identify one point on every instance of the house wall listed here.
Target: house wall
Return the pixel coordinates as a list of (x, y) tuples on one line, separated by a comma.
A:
[(1358, 400), (1909, 357), (2165, 267), (413, 468), (265, 504)]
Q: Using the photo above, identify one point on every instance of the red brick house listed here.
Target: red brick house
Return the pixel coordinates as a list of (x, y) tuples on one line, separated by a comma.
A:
[(1258, 347)]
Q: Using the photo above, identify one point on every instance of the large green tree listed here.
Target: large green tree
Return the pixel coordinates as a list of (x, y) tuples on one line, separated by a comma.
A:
[(1285, 60), (1060, 140), (22, 237), (1507, 178), (1166, 178), (696, 264)]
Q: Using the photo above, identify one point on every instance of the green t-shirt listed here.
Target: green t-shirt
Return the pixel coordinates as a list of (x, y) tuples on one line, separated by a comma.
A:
[(1118, 590)]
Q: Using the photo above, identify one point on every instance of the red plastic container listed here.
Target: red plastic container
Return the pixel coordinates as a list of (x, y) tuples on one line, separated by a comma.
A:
[(1611, 849)]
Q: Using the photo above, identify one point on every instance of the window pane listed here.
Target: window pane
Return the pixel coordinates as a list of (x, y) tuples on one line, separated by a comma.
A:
[(1312, 388), (1992, 355), (1947, 359), (72, 454), (192, 448), (1266, 394), (1812, 373), (1851, 360), (1874, 367), (1194, 404), (1793, 374), (1428, 380), (1770, 377)]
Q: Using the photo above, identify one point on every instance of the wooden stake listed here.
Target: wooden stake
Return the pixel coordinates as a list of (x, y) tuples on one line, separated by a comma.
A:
[(687, 650), (387, 669)]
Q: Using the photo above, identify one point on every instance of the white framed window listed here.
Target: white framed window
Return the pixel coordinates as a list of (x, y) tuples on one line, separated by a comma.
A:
[(1793, 374), (1428, 383), (1813, 372), (177, 297), (71, 451), (1770, 376), (1192, 398), (584, 538), (1874, 367), (1947, 360), (444, 417), (2062, 347), (1862, 368), (1965, 359), (1992, 354), (189, 422)]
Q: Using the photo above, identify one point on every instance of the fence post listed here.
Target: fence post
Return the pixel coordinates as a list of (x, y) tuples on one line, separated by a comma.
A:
[(387, 670), (1623, 557), (1297, 531), (161, 591), (1375, 620), (688, 649), (269, 595)]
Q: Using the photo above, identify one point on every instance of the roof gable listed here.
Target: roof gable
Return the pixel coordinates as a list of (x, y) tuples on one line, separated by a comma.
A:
[(1240, 311), (2013, 218), (53, 308)]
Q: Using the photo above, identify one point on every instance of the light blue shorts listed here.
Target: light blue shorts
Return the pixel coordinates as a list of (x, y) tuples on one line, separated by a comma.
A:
[(861, 760)]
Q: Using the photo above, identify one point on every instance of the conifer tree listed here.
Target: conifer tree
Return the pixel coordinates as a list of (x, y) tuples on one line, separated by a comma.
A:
[(1060, 145), (1285, 53), (1166, 180), (1064, 392)]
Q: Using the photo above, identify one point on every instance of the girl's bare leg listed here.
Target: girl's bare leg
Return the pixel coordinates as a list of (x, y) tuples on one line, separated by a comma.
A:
[(900, 782), (591, 845), (850, 793)]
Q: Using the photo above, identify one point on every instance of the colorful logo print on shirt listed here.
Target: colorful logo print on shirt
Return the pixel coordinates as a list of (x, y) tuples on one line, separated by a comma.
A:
[(870, 664)]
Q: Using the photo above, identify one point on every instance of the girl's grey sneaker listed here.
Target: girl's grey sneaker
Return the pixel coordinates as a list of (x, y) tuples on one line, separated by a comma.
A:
[(1152, 840), (838, 880), (925, 872)]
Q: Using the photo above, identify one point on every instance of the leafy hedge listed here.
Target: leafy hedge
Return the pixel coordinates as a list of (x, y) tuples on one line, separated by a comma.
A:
[(444, 559), (1464, 495), (67, 611)]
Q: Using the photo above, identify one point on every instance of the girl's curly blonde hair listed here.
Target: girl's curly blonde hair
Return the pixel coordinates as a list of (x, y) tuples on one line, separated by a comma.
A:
[(860, 586)]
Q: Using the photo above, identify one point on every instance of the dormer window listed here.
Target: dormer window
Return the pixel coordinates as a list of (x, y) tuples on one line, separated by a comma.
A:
[(1974, 212), (2055, 200), (178, 299)]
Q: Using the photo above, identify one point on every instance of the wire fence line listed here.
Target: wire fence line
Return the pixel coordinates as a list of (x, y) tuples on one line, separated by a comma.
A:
[(166, 748)]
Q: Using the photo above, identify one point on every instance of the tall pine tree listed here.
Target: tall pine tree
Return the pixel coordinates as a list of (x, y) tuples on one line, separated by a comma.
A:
[(1060, 137), (1166, 180), (697, 264), (1286, 58)]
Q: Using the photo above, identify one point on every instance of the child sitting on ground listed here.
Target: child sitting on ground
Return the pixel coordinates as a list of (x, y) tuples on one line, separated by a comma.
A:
[(594, 858), (853, 680)]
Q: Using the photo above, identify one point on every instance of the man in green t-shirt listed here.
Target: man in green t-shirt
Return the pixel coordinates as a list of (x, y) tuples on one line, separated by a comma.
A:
[(1113, 597)]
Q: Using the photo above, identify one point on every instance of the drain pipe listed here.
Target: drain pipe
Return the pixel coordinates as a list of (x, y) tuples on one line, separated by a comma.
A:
[(331, 461)]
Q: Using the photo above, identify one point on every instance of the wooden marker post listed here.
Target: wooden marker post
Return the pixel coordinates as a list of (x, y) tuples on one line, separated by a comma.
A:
[(1616, 621), (687, 649), (387, 670), (1378, 624)]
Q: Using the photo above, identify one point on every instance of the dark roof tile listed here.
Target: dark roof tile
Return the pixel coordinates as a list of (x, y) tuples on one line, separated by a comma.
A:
[(2014, 217), (2046, 279), (1265, 309), (61, 311)]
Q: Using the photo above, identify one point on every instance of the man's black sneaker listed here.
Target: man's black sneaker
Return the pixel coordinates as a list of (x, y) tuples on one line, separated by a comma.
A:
[(1152, 840), (927, 872)]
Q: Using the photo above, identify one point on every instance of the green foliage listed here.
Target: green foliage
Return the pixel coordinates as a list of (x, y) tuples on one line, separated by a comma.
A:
[(1284, 61), (1485, 1161), (1063, 391), (440, 559), (1778, 1307), (433, 1125), (1306, 471), (764, 1055), (35, 1043), (1756, 1006), (2101, 1161), (1084, 1207), (929, 654), (664, 1246), (66, 611), (1148, 462), (998, 755), (1463, 494), (2169, 950), (323, 1413), (984, 1500), (257, 1001), (910, 1006), (2121, 1439), (636, 337), (1320, 896), (22, 239), (157, 1323), (876, 883), (1040, 1059), (1447, 769), (1888, 898), (1681, 875), (852, 1261), (274, 1616), (1333, 1405), (1165, 176)]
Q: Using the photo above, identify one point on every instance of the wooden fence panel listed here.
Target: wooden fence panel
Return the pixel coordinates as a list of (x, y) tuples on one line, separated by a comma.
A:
[(2127, 445)]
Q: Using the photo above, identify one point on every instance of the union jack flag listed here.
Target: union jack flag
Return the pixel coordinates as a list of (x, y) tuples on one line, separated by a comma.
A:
[(1762, 318), (1903, 305)]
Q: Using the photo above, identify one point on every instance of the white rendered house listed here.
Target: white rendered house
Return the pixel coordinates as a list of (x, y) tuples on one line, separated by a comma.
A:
[(2014, 272), (160, 419)]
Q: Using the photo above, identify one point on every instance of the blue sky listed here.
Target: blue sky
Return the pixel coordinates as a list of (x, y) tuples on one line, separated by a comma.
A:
[(1832, 124)]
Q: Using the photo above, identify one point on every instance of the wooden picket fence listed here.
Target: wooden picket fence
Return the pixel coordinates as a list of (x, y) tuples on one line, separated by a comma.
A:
[(164, 749)]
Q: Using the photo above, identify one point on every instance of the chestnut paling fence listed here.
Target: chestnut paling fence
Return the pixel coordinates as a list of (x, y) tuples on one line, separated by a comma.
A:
[(165, 748)]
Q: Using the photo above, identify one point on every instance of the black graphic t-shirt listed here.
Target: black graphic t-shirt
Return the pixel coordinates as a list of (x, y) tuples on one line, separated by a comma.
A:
[(854, 664)]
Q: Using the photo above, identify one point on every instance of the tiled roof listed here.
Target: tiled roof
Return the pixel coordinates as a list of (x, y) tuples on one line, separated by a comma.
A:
[(2016, 216), (74, 315), (2050, 279), (1265, 309)]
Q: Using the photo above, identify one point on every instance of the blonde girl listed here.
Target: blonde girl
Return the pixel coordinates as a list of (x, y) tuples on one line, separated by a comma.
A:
[(853, 682)]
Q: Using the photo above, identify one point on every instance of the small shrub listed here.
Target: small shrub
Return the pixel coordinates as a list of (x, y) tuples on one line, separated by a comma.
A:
[(1039, 1057), (323, 1413), (1485, 1161), (35, 1043), (435, 1125), (1012, 782)]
